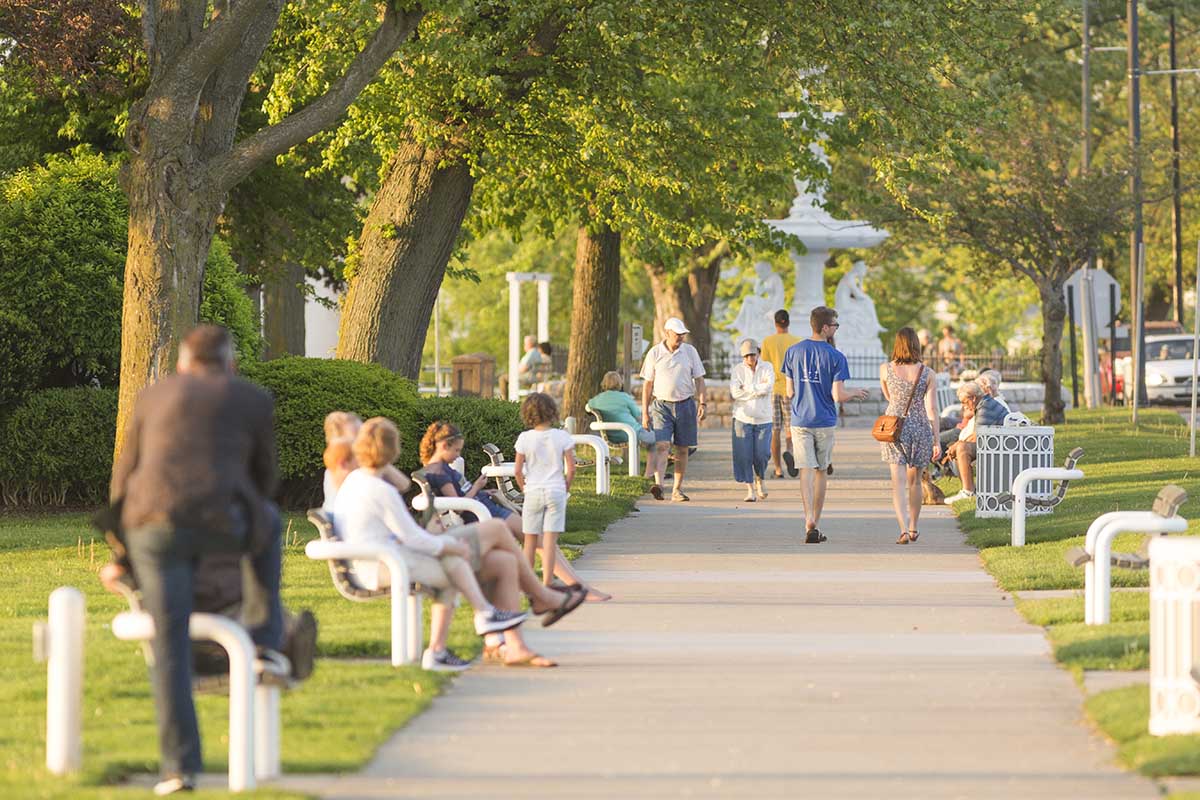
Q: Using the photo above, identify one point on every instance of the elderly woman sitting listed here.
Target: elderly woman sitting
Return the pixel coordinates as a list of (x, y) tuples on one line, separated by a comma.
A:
[(983, 410), (613, 404)]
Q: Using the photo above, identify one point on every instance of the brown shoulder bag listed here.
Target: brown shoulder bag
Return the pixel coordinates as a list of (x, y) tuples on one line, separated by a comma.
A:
[(887, 427)]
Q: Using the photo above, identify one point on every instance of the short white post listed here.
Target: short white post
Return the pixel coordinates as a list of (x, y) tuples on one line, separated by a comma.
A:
[(543, 320), (1089, 568), (1020, 490), (602, 456), (514, 336), (1133, 522), (630, 435), (266, 732), (63, 644), (240, 649)]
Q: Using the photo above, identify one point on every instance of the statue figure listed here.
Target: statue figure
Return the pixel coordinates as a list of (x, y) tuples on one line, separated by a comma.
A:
[(860, 328), (756, 317)]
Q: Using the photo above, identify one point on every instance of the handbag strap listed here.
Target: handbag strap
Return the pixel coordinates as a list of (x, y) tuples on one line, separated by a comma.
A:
[(912, 395)]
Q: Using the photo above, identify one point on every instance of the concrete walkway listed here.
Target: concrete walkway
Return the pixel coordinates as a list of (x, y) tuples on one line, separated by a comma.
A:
[(738, 662)]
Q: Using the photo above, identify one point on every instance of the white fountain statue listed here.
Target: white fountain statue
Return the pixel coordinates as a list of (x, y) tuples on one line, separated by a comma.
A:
[(859, 328), (756, 317)]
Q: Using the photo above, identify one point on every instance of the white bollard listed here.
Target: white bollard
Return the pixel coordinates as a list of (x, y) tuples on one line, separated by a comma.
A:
[(1174, 594), (267, 734), (62, 647), (1020, 490)]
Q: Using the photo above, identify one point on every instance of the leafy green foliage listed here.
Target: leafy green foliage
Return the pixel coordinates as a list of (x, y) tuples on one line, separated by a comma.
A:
[(306, 390), (63, 236), (58, 447)]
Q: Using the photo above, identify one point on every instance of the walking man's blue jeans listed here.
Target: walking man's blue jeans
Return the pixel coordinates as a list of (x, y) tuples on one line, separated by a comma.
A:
[(751, 450), (164, 560)]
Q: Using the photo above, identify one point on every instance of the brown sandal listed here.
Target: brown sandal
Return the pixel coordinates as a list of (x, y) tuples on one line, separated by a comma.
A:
[(913, 536), (532, 660), (904, 538)]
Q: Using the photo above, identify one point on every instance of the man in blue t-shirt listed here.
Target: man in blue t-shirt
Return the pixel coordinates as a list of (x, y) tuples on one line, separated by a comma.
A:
[(815, 371)]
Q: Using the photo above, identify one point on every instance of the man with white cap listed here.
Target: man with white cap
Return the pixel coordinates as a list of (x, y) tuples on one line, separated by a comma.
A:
[(674, 379)]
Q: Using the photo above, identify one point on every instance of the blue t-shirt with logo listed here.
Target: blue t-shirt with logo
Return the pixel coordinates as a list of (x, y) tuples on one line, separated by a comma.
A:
[(814, 367)]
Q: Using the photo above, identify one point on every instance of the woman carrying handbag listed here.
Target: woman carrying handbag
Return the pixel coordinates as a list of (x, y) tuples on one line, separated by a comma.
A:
[(905, 430)]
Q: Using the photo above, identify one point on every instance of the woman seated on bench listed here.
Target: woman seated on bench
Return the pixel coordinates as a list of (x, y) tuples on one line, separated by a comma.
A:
[(613, 404), (368, 509), (441, 445)]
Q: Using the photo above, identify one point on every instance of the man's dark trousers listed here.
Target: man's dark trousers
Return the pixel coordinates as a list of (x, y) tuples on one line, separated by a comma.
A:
[(164, 561)]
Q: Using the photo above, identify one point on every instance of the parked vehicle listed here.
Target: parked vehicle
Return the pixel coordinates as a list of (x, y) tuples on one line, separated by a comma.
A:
[(1168, 369)]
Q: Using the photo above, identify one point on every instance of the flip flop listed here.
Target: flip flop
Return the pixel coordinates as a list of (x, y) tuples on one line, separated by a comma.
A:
[(493, 654), (532, 660), (576, 596)]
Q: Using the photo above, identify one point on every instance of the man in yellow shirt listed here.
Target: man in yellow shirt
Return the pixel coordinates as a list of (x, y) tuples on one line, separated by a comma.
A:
[(773, 349)]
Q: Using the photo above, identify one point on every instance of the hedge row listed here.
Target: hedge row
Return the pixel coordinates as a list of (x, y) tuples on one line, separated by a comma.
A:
[(58, 443)]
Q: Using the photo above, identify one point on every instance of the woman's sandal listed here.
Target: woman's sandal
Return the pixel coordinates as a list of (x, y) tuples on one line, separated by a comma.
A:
[(576, 595), (913, 536), (904, 538), (532, 660), (493, 653)]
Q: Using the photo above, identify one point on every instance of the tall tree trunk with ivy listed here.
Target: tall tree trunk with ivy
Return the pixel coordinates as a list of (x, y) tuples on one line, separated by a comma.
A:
[(595, 316), (688, 292), (185, 157), (406, 243), (1054, 315)]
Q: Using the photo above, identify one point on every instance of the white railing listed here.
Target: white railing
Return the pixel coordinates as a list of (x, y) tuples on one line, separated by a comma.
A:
[(630, 437), (1020, 491), (1098, 545), (1174, 598)]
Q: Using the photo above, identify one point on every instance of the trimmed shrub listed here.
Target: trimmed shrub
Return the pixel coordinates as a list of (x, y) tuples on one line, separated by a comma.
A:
[(306, 389), (63, 241), (58, 447), (481, 421)]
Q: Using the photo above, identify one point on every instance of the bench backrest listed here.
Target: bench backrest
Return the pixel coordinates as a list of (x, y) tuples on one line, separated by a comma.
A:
[(604, 434), (1168, 501), (506, 485), (340, 570)]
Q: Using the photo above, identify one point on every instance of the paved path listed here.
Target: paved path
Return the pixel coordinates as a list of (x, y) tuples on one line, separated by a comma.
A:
[(738, 662)]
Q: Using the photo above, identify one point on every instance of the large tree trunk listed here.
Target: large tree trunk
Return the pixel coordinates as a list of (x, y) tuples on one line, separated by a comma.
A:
[(171, 225), (595, 312), (1054, 313), (407, 240), (688, 294), (283, 313)]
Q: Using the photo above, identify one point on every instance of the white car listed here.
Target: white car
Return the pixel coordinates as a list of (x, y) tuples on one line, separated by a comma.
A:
[(1168, 368)]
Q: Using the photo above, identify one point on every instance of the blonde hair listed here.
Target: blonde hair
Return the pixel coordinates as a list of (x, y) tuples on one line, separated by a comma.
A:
[(970, 389), (337, 453), (337, 425), (438, 431), (377, 443), (612, 381)]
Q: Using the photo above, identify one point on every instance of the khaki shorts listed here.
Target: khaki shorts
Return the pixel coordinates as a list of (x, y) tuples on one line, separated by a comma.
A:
[(424, 570), (812, 447)]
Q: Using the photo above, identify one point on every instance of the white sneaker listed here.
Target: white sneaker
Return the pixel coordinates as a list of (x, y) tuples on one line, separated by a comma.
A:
[(962, 495)]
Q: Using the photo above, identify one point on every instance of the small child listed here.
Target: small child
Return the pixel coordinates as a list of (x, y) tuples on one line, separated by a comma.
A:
[(540, 457)]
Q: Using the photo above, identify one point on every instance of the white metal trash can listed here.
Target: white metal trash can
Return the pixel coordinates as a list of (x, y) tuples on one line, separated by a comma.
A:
[(1002, 452), (1174, 593)]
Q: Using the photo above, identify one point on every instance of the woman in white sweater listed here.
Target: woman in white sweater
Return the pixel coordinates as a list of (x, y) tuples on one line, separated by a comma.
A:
[(751, 384), (368, 509)]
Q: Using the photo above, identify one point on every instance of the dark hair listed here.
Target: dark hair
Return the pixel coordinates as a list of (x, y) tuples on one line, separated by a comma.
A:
[(539, 409), (907, 349), (438, 431), (822, 316), (783, 318), (546, 348), (210, 346), (948, 329)]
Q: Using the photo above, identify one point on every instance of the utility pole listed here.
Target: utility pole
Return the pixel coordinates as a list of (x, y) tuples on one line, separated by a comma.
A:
[(1136, 287), (1176, 182), (1091, 371)]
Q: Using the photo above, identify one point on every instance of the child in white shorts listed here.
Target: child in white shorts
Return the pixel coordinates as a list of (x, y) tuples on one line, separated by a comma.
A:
[(545, 467)]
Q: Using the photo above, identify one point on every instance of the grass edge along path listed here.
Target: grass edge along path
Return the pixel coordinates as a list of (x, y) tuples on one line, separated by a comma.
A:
[(332, 723), (1123, 470)]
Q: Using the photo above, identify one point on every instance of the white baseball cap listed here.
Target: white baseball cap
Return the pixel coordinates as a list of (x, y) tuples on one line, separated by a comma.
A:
[(675, 325)]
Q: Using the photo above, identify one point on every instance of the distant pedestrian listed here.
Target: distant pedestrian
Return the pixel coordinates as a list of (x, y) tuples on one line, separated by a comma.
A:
[(751, 383), (672, 403), (950, 350), (773, 348), (911, 391), (816, 372)]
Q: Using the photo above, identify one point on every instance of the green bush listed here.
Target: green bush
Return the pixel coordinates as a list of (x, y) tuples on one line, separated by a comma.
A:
[(481, 421), (305, 390), (63, 240), (58, 447)]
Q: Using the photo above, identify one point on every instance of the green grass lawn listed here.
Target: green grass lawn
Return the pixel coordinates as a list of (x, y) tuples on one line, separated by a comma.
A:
[(1124, 471), (334, 722)]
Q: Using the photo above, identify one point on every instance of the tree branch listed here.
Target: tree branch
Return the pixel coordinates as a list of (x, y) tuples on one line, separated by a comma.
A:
[(301, 126)]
